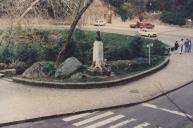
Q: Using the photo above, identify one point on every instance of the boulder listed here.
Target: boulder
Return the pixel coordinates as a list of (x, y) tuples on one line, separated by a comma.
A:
[(81, 76), (68, 67), (77, 76), (35, 71)]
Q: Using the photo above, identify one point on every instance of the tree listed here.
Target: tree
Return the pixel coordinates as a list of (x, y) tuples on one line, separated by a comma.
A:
[(129, 8), (62, 54)]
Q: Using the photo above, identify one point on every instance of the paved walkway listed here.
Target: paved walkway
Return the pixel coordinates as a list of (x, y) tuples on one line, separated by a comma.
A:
[(20, 102)]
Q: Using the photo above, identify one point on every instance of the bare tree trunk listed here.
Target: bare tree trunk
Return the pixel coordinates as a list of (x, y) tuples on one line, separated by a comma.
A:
[(27, 10), (62, 54)]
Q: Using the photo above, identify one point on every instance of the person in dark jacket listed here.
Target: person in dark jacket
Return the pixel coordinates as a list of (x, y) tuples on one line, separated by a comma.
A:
[(176, 45)]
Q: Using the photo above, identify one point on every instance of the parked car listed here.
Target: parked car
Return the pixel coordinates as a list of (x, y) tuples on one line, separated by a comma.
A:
[(100, 22), (142, 25), (147, 33), (189, 21)]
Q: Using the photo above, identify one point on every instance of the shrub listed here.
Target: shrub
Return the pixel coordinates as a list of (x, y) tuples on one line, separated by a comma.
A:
[(120, 66), (157, 59), (117, 53), (123, 11), (175, 18), (48, 68), (7, 55), (50, 52), (158, 48), (136, 47), (20, 67), (139, 64), (26, 53)]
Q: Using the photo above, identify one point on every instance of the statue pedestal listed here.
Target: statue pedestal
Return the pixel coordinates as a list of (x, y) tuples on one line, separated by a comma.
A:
[(99, 66)]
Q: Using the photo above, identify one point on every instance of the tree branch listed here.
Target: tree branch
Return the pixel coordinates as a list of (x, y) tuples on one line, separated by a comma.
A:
[(27, 10), (62, 53)]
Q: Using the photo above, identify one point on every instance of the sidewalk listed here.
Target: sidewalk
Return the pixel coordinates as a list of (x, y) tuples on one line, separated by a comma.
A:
[(20, 102)]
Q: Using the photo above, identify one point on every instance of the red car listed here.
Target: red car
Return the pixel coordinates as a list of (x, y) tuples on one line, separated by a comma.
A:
[(142, 25)]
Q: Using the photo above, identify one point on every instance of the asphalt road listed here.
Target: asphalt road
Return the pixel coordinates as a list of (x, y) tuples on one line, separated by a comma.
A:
[(164, 112)]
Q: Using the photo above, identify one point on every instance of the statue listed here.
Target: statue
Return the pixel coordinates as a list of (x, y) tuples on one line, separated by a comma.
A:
[(99, 64), (98, 59)]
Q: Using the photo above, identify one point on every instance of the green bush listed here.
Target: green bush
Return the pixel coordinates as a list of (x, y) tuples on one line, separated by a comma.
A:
[(117, 53), (50, 52), (123, 11), (175, 18), (155, 60), (20, 67), (136, 47), (159, 48), (120, 67), (48, 68), (26, 53), (139, 64), (6, 54)]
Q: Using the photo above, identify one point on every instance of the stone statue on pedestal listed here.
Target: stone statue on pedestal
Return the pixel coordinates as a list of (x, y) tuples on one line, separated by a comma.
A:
[(99, 65), (98, 59)]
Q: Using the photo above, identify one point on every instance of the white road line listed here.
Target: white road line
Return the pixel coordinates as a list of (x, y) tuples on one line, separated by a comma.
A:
[(123, 123), (93, 119), (104, 122), (76, 116), (166, 110), (142, 125)]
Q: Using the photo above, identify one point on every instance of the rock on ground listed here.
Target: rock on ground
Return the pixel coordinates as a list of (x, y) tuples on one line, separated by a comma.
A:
[(68, 67), (35, 71)]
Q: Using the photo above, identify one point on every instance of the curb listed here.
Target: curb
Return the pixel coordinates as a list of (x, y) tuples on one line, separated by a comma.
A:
[(1, 75), (91, 110), (90, 85)]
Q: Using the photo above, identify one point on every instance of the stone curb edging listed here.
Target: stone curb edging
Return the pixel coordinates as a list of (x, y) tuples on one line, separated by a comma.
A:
[(89, 85)]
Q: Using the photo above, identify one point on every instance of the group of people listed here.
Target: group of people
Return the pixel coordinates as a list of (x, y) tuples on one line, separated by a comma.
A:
[(184, 45)]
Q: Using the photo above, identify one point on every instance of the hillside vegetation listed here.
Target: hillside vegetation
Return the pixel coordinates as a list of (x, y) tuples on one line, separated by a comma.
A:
[(173, 11)]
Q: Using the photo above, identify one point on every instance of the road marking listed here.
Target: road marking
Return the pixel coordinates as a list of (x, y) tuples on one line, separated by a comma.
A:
[(93, 119), (166, 110), (123, 123), (77, 116), (107, 121), (142, 125)]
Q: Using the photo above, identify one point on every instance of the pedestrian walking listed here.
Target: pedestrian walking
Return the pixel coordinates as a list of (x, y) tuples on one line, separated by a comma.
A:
[(189, 45), (176, 46), (181, 44), (186, 44)]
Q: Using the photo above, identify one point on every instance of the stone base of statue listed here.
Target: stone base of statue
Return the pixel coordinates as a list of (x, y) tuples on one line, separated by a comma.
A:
[(104, 70)]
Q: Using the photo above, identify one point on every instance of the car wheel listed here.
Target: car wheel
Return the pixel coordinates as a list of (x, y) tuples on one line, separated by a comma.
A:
[(149, 35)]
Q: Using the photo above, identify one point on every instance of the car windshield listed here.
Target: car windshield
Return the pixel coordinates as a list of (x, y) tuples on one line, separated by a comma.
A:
[(145, 30)]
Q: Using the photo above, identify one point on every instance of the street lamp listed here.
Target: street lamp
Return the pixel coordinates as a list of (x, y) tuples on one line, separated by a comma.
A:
[(149, 47)]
